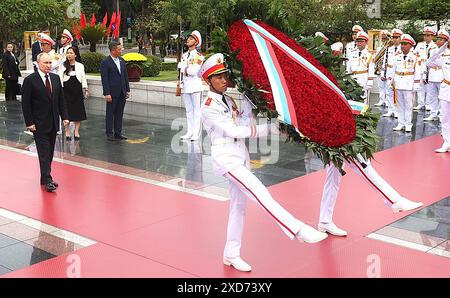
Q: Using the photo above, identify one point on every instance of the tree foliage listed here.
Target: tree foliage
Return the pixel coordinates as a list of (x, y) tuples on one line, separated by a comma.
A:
[(18, 16)]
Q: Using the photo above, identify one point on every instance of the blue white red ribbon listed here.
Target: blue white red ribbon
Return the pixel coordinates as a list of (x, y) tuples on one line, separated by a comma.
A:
[(282, 98)]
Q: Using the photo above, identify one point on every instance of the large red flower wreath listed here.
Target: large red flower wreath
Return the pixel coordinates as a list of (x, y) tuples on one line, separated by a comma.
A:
[(322, 116)]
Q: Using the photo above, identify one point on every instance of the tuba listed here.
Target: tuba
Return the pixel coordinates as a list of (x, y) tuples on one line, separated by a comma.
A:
[(378, 60)]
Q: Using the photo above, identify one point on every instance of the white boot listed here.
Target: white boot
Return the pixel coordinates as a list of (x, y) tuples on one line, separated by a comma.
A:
[(331, 228), (405, 205), (445, 148), (237, 263), (310, 235)]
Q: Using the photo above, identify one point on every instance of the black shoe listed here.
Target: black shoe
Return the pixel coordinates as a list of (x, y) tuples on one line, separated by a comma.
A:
[(67, 138), (110, 138), (76, 138), (50, 187), (54, 183), (120, 137)]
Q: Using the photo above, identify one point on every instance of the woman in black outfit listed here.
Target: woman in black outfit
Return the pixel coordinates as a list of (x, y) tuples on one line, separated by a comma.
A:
[(11, 72), (74, 81)]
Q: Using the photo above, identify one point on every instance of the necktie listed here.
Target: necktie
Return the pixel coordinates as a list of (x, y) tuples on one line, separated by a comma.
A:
[(359, 54), (225, 101), (48, 87), (404, 57)]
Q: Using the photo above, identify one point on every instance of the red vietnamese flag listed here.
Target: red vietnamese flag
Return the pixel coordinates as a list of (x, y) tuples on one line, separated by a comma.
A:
[(76, 31), (93, 20), (105, 20), (117, 27), (113, 20), (83, 21)]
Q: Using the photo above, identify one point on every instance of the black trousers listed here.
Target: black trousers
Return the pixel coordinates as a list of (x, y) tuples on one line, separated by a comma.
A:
[(11, 89), (114, 115), (45, 145)]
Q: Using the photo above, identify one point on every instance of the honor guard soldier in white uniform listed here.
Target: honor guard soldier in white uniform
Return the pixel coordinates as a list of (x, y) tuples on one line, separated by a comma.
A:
[(432, 78), (441, 58), (404, 78), (423, 51), (66, 42), (47, 43), (350, 46), (337, 48), (387, 68), (189, 66), (360, 64), (385, 35), (228, 126)]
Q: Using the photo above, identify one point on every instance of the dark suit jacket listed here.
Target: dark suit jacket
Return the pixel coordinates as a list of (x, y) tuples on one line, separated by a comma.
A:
[(114, 83), (38, 108), (35, 50), (10, 67)]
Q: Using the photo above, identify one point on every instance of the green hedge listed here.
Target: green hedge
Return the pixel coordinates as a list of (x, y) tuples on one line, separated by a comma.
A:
[(169, 66), (92, 61), (152, 66)]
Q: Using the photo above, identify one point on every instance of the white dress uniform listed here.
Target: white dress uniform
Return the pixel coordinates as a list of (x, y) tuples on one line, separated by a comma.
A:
[(388, 62), (435, 76), (228, 126), (441, 59), (381, 84), (422, 50), (360, 65), (189, 66), (404, 78)]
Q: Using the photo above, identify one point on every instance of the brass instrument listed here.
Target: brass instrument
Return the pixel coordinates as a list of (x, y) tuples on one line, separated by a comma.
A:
[(378, 60)]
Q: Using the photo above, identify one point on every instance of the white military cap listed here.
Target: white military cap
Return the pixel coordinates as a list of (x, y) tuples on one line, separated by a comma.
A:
[(385, 33), (357, 28), (397, 32), (47, 39), (429, 30), (66, 33), (362, 35), (337, 46), (198, 37), (406, 38), (212, 66), (443, 34), (321, 35)]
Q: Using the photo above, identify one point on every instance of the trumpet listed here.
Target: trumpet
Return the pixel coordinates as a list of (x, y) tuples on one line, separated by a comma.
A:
[(378, 60)]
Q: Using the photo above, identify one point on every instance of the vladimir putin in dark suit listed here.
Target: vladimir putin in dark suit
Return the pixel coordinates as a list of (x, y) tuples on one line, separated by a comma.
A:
[(42, 104), (116, 90)]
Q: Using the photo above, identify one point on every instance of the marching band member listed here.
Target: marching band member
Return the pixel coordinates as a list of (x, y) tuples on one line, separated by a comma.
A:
[(228, 126), (432, 78), (360, 64), (404, 78), (441, 58), (387, 67), (423, 51), (351, 46), (382, 84)]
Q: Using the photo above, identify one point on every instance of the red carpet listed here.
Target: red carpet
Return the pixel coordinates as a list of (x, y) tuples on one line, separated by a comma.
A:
[(151, 231)]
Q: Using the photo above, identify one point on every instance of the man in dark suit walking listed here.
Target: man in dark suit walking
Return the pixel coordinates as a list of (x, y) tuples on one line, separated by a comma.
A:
[(42, 104), (11, 72), (116, 90)]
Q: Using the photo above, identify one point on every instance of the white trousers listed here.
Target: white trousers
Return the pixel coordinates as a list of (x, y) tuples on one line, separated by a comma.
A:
[(244, 185), (445, 120), (382, 89), (422, 97), (192, 102), (404, 107), (333, 180), (390, 99), (433, 97)]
